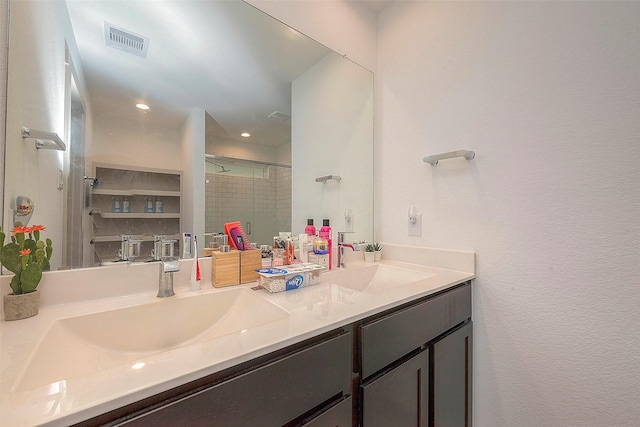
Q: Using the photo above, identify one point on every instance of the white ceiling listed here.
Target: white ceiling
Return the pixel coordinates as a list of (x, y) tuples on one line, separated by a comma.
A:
[(224, 57)]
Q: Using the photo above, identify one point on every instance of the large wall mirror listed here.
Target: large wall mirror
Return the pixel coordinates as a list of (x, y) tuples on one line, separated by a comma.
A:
[(245, 116)]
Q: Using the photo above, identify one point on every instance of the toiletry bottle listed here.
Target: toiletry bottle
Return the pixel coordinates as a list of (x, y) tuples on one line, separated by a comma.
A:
[(149, 205), (266, 256), (194, 278), (289, 251), (158, 205), (310, 229), (325, 233), (303, 248), (116, 205), (278, 257), (125, 206), (186, 245)]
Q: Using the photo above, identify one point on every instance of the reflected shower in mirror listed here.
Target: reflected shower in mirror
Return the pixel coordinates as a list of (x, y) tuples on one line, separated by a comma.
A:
[(220, 78), (257, 194)]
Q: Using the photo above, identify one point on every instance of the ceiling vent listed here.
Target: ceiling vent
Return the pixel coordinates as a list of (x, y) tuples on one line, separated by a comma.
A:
[(279, 116), (125, 40)]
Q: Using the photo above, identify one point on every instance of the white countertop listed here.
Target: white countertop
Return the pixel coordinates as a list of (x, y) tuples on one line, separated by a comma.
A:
[(313, 310)]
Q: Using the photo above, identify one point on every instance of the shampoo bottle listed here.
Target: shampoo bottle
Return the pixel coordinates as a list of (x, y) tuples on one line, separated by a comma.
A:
[(310, 229), (325, 233)]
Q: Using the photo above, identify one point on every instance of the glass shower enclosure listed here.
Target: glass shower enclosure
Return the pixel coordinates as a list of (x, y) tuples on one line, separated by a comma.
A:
[(256, 194)]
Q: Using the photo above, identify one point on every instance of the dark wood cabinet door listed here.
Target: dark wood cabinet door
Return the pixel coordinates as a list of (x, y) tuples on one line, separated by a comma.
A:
[(452, 379), (400, 397)]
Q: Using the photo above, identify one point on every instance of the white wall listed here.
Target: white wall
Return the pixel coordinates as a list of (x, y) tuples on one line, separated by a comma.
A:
[(547, 94), (193, 205), (348, 27), (133, 142)]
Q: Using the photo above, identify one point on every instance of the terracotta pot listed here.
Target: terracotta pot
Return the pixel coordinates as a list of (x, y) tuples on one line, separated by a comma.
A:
[(21, 306)]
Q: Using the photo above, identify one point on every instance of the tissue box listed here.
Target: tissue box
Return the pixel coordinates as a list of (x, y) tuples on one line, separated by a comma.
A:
[(289, 277)]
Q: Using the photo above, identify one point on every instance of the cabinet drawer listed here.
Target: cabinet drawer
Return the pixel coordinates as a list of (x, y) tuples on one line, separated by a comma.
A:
[(268, 396), (389, 338)]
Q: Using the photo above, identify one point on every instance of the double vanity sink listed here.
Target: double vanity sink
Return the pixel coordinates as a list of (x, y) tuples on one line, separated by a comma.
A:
[(77, 360)]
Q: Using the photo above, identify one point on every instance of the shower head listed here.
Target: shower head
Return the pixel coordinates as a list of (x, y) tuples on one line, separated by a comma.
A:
[(220, 166), (223, 169)]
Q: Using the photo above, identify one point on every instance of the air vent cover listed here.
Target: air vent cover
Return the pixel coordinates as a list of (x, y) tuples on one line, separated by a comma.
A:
[(281, 117), (125, 40)]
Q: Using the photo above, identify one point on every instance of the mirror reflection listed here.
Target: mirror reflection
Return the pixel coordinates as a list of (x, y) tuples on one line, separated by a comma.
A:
[(240, 114)]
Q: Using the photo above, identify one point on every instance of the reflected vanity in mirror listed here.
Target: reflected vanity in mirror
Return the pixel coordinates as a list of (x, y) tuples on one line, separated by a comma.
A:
[(243, 114)]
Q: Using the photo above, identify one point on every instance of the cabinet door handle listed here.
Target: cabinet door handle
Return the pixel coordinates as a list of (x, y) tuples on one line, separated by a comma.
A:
[(248, 227)]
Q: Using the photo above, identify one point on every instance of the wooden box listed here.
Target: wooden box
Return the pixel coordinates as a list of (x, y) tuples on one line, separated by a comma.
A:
[(249, 261), (225, 268)]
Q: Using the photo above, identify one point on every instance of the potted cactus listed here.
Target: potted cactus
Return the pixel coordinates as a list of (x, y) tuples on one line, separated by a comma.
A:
[(26, 256)]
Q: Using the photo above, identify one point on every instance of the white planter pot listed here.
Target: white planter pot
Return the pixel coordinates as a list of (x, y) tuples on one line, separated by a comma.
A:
[(369, 257), (377, 256)]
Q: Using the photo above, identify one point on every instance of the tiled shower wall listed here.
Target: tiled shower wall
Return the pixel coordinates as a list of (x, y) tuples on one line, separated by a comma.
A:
[(265, 203)]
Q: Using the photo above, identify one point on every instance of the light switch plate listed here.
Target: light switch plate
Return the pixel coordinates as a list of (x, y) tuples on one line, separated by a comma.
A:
[(415, 228), (348, 225)]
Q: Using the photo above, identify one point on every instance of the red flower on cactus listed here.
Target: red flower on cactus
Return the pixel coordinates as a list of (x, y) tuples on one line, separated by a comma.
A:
[(21, 229), (24, 252), (37, 228)]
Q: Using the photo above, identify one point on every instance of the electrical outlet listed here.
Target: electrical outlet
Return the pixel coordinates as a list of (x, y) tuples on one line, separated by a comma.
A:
[(415, 227)]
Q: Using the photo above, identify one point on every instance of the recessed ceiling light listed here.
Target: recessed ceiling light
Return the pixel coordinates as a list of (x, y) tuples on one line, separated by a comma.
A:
[(245, 134), (142, 106)]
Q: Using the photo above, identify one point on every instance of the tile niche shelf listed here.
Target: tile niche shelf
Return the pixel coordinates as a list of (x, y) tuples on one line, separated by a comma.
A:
[(138, 186)]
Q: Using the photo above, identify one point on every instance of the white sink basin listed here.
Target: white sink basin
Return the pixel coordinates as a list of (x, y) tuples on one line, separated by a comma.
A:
[(374, 277), (83, 344)]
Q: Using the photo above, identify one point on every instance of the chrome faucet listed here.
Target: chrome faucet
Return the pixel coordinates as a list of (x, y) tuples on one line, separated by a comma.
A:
[(129, 248), (341, 245), (168, 265)]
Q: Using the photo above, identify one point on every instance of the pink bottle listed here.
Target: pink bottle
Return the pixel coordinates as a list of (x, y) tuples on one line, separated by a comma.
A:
[(325, 233), (310, 229)]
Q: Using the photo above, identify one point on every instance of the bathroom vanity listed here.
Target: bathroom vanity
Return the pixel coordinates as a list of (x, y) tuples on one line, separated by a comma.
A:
[(407, 366), (371, 345)]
